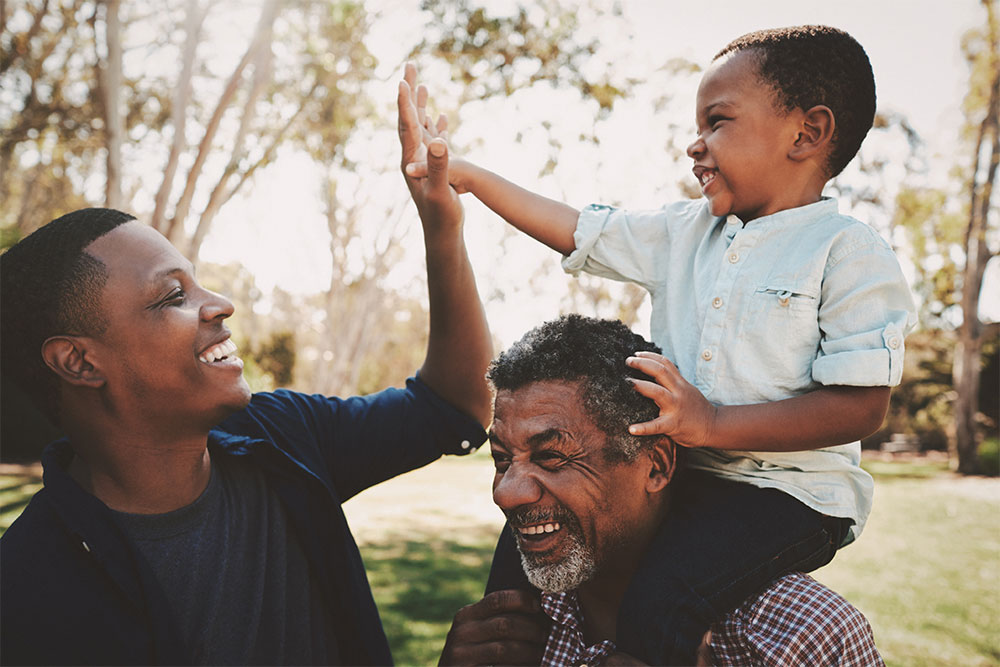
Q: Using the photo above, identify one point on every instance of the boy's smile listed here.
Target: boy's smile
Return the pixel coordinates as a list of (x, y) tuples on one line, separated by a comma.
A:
[(741, 153)]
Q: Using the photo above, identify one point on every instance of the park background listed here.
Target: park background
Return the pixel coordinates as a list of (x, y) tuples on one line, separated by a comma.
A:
[(259, 136)]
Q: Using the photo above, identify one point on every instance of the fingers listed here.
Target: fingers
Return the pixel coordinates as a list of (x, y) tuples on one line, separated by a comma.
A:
[(422, 105), (505, 627), (500, 602), (655, 366), (437, 166), (409, 130)]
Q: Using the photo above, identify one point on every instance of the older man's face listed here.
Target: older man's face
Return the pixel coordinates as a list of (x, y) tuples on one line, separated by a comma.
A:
[(573, 513)]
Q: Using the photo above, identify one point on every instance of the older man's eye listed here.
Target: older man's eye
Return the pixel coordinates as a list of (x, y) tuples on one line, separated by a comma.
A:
[(549, 459), (501, 462)]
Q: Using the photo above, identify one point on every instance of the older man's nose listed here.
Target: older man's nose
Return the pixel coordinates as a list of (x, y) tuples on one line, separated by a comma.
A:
[(516, 487)]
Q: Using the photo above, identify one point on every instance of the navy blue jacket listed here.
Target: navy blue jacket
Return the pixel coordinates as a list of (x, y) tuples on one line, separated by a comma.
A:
[(74, 590)]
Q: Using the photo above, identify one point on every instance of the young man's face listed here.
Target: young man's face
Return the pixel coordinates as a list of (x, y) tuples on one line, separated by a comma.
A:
[(741, 153), (574, 514), (165, 352)]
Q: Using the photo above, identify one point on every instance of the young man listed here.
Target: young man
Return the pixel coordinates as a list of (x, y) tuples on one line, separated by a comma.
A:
[(584, 499), (184, 521)]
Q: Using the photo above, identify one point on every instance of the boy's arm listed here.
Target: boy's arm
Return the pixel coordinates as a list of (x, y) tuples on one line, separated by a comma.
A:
[(544, 219), (459, 347), (827, 416)]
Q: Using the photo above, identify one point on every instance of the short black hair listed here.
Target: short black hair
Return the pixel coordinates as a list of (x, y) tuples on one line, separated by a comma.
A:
[(592, 352), (50, 285), (815, 64)]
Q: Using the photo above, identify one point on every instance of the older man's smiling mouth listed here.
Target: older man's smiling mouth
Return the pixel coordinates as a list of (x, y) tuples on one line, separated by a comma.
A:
[(539, 529)]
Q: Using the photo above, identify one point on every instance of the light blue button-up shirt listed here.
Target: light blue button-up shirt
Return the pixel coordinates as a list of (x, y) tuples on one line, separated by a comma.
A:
[(763, 312)]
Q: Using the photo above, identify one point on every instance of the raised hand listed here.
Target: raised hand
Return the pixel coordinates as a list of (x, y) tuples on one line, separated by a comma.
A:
[(685, 414), (436, 201)]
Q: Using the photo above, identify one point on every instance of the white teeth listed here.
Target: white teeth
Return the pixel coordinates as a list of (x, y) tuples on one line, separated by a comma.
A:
[(538, 530), (223, 349)]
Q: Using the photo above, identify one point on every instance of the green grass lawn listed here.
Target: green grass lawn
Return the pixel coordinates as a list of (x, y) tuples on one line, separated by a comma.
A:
[(926, 571)]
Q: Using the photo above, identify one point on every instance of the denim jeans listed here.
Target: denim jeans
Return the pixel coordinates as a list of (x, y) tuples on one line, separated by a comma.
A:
[(722, 542)]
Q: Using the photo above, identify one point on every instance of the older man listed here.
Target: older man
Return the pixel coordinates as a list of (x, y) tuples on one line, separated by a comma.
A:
[(583, 499), (184, 521)]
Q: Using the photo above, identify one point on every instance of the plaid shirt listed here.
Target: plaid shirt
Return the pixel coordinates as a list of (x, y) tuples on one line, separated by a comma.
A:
[(795, 621)]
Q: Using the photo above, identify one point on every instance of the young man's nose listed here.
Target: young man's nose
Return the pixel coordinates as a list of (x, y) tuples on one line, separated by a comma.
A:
[(516, 487), (216, 306)]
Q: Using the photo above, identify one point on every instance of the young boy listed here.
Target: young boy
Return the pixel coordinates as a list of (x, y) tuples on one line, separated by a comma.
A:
[(781, 323)]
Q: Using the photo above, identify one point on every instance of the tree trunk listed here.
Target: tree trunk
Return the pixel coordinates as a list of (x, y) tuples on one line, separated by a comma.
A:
[(111, 85), (967, 365), (175, 228), (195, 17)]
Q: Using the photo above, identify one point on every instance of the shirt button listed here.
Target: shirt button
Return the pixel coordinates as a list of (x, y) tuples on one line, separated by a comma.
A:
[(894, 342), (466, 444), (706, 355), (734, 257), (716, 302)]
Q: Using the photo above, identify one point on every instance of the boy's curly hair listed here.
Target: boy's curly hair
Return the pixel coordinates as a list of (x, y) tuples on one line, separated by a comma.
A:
[(50, 285), (592, 352), (814, 64)]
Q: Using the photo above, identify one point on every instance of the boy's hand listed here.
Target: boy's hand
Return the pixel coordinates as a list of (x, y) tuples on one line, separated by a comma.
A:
[(685, 414), (416, 167)]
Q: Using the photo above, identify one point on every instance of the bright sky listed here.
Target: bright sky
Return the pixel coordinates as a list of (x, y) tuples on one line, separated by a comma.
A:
[(913, 45)]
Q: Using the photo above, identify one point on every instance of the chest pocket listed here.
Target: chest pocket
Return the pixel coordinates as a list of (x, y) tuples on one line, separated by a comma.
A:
[(783, 329)]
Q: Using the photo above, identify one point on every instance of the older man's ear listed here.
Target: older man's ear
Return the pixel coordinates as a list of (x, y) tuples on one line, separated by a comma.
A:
[(663, 462)]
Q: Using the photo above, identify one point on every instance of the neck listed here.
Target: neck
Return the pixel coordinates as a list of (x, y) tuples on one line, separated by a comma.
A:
[(600, 599), (141, 474)]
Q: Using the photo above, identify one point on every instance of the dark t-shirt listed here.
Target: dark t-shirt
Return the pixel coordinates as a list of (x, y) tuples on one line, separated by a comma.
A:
[(235, 576)]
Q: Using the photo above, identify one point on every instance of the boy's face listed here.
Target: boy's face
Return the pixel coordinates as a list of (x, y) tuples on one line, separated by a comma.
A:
[(741, 153)]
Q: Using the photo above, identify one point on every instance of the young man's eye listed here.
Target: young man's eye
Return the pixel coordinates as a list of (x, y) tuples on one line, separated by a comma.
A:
[(175, 298)]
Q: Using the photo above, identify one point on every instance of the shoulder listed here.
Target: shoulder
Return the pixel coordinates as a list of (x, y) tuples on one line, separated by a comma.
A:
[(798, 620)]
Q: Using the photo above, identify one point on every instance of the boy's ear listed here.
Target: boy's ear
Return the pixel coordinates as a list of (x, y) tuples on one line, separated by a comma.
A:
[(67, 357), (663, 459), (815, 133)]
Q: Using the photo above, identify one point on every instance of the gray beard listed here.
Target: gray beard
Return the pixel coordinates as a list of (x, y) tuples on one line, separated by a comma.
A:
[(575, 568)]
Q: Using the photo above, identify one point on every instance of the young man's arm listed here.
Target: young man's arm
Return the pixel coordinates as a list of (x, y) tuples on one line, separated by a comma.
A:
[(459, 348), (824, 417), (544, 219)]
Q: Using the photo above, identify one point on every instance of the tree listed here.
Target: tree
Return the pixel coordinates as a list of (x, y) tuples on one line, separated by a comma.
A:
[(982, 49)]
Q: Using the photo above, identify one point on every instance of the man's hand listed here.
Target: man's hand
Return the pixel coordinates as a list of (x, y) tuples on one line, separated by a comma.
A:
[(685, 414), (436, 201), (416, 166), (504, 628)]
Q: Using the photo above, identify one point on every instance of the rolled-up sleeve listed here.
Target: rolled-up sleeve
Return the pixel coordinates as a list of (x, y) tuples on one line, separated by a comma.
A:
[(614, 243), (866, 311)]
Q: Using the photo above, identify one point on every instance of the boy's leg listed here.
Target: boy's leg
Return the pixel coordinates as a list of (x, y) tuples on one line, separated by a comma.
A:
[(721, 543), (506, 571)]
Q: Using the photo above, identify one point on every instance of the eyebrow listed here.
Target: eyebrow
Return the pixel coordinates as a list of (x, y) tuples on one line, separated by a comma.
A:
[(534, 440)]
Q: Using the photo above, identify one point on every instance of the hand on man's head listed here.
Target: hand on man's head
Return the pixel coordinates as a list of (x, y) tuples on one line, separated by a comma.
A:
[(504, 628)]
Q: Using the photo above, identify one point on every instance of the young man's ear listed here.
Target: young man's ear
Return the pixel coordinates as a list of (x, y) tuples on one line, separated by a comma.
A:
[(663, 457), (67, 357), (815, 133)]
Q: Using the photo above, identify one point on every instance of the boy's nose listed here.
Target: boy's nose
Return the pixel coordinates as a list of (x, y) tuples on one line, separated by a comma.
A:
[(696, 148), (515, 488)]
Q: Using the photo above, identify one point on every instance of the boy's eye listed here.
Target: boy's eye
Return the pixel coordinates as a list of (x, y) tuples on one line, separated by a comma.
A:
[(714, 121)]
